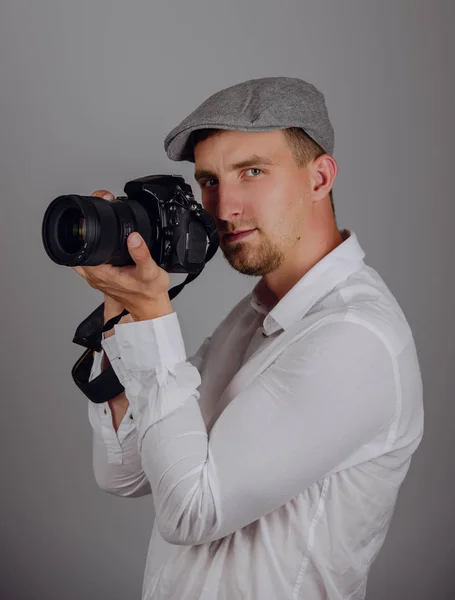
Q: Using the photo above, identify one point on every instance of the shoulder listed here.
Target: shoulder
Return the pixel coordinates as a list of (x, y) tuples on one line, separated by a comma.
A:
[(365, 300)]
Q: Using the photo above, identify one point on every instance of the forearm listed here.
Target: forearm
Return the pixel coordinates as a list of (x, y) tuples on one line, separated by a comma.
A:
[(117, 463), (162, 306)]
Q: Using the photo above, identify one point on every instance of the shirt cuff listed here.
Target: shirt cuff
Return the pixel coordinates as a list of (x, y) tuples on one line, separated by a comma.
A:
[(145, 345), (111, 348), (150, 362)]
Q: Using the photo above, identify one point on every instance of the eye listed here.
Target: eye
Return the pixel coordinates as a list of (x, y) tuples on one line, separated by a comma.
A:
[(207, 183), (254, 171)]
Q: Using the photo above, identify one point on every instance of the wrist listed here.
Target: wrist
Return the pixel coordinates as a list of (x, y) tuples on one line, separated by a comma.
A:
[(153, 309), (109, 333)]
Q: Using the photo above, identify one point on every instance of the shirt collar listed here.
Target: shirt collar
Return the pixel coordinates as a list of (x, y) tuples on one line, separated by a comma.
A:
[(326, 274)]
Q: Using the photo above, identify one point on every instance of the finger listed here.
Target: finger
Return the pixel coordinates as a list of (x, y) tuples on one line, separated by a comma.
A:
[(103, 194), (141, 254)]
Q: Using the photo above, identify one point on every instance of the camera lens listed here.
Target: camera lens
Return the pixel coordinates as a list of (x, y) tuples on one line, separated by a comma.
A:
[(87, 230), (73, 230)]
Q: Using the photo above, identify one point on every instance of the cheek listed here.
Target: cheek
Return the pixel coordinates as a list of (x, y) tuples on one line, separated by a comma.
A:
[(282, 214), (208, 202), (272, 203)]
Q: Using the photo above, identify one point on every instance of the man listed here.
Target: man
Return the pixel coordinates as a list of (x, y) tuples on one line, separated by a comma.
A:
[(275, 454)]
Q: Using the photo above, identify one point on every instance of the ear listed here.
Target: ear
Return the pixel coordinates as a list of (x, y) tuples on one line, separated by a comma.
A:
[(324, 170)]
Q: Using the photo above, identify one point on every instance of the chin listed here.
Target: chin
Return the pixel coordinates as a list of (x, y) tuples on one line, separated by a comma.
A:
[(246, 267)]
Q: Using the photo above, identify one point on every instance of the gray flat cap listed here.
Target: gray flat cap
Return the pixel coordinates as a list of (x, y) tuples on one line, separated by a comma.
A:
[(263, 104)]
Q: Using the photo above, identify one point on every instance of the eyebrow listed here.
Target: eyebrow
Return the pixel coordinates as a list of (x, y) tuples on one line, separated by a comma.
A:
[(248, 162)]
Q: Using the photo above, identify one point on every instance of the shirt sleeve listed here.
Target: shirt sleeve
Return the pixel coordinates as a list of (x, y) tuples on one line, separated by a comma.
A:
[(324, 397), (117, 444), (116, 461)]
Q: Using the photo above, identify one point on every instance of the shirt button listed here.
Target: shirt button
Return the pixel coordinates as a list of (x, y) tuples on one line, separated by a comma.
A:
[(105, 411), (131, 416)]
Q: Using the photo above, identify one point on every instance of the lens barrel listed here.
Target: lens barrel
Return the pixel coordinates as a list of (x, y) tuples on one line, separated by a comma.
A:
[(90, 231)]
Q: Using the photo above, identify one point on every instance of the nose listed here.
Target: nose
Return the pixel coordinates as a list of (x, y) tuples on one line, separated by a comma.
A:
[(228, 203)]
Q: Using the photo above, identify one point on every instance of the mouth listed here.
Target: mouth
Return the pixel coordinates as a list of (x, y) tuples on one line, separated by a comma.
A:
[(235, 237)]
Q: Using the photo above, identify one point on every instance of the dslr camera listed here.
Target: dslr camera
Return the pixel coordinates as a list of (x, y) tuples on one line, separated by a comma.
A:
[(89, 231)]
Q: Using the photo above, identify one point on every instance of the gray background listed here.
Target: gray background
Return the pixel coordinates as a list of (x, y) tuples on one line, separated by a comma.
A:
[(89, 89)]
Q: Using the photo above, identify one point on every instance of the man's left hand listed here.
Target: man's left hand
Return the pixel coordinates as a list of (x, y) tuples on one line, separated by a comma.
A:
[(141, 288)]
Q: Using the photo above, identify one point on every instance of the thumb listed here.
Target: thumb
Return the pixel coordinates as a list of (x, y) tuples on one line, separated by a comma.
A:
[(136, 243), (140, 253), (138, 248)]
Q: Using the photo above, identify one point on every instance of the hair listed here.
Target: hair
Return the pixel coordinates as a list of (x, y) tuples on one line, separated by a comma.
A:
[(303, 147)]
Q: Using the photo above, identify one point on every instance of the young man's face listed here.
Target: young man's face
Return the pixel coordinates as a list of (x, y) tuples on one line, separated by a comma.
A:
[(251, 181)]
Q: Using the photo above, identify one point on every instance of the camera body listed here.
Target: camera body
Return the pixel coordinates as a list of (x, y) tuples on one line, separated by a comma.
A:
[(87, 230), (178, 240)]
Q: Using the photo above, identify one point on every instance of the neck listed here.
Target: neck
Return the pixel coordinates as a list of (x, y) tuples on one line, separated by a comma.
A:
[(309, 249)]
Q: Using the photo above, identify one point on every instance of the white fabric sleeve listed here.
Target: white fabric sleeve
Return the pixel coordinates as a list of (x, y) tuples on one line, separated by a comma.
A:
[(116, 461), (125, 478), (100, 415), (325, 398)]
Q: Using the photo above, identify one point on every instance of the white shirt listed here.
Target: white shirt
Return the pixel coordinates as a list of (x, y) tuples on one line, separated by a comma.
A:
[(276, 453)]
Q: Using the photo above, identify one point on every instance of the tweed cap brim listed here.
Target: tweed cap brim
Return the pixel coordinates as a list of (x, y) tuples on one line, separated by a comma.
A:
[(256, 105)]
